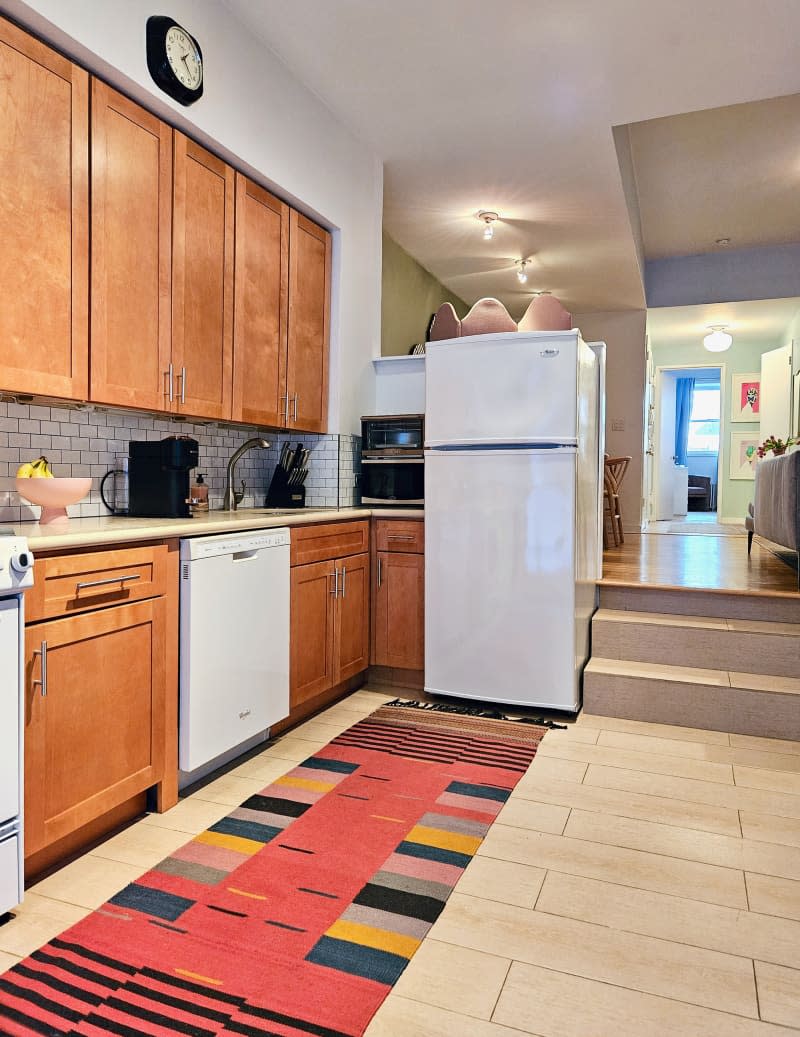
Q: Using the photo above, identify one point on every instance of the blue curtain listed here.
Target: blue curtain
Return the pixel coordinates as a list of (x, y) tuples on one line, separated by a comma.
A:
[(684, 387)]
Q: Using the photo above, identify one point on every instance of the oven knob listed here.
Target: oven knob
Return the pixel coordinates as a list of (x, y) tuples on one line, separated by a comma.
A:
[(22, 562)]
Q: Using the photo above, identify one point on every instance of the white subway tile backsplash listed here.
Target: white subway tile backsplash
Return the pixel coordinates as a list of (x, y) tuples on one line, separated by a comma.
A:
[(87, 442)]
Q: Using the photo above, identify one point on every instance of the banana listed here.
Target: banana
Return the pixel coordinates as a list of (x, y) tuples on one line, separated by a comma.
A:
[(25, 471), (40, 469)]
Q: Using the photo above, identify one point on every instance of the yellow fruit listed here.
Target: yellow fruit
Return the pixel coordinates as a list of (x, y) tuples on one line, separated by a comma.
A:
[(25, 471), (41, 469)]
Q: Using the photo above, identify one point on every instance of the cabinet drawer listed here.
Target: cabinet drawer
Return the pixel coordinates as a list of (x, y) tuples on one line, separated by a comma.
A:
[(318, 543), (400, 535), (65, 585)]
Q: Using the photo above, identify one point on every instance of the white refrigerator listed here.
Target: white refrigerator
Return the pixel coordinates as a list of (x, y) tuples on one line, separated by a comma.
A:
[(513, 513)]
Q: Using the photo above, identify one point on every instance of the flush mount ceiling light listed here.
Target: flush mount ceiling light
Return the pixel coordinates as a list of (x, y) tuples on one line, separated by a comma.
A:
[(718, 339), (487, 217), (722, 242), (522, 275)]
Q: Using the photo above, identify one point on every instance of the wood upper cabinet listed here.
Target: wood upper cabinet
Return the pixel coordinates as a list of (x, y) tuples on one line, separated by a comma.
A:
[(309, 317), (260, 305), (202, 281), (96, 737), (131, 252), (44, 213), (399, 611)]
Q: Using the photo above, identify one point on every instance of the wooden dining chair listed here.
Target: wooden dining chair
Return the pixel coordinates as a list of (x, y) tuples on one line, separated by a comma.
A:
[(614, 471)]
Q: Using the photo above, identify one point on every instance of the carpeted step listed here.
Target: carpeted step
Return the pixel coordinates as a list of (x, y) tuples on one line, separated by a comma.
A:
[(746, 646), (711, 699)]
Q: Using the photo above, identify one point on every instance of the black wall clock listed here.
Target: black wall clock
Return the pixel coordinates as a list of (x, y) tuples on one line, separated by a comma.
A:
[(174, 59)]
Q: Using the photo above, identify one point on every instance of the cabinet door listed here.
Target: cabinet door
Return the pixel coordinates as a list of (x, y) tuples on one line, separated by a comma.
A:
[(309, 310), (96, 738), (260, 306), (312, 664), (352, 619), (131, 252), (202, 281), (44, 213), (399, 611)]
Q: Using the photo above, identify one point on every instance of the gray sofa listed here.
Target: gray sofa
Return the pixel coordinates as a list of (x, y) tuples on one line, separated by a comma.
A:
[(775, 511)]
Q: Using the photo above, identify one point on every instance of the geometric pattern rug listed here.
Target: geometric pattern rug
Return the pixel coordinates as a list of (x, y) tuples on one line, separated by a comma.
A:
[(296, 913)]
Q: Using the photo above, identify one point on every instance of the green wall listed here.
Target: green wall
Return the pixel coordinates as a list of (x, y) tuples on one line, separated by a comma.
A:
[(733, 495), (410, 294)]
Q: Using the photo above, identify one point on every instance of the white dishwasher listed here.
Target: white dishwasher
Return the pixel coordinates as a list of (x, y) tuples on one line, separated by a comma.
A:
[(234, 644)]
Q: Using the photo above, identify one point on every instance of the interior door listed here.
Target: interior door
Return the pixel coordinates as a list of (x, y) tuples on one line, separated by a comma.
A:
[(260, 305), (664, 466), (352, 634), (648, 474), (44, 219), (309, 316), (775, 400), (202, 280), (131, 252)]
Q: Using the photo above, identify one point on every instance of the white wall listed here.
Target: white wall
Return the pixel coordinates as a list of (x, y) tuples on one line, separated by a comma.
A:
[(258, 116), (624, 333)]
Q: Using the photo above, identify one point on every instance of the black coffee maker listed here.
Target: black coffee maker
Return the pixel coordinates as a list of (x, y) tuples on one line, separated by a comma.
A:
[(158, 477)]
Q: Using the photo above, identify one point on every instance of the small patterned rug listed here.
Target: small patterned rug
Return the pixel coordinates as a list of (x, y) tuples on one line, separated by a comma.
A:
[(296, 913)]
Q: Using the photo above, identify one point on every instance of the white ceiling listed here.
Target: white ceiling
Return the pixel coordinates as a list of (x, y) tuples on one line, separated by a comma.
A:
[(731, 172), (511, 107), (762, 323)]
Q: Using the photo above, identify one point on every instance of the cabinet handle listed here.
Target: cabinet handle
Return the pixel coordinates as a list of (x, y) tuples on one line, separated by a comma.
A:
[(344, 573), (102, 583), (380, 571), (335, 575), (399, 536), (182, 377), (43, 653), (294, 405), (169, 391)]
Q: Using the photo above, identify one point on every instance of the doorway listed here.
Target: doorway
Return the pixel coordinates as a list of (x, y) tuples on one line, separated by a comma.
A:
[(687, 448)]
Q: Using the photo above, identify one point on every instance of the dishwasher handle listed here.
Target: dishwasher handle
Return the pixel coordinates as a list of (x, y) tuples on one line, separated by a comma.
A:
[(244, 556)]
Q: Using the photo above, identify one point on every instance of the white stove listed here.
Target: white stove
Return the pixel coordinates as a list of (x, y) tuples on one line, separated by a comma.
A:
[(16, 573)]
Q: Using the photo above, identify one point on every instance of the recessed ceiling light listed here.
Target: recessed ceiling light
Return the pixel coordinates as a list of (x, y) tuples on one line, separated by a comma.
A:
[(722, 242), (488, 217)]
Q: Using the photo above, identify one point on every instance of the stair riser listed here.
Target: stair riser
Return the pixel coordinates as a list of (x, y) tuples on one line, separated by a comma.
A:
[(717, 605), (706, 706), (707, 648)]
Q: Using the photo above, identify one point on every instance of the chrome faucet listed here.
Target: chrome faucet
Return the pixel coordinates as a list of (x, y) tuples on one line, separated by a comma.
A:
[(229, 502)]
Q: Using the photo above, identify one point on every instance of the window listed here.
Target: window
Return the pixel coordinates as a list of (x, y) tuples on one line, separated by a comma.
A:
[(704, 420)]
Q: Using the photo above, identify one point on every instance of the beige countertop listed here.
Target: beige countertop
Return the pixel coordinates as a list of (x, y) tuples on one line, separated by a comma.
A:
[(90, 532)]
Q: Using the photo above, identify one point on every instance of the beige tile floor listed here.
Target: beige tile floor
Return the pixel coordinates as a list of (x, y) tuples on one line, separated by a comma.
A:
[(642, 879)]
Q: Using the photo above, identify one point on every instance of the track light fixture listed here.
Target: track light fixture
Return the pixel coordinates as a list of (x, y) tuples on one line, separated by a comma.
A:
[(522, 274)]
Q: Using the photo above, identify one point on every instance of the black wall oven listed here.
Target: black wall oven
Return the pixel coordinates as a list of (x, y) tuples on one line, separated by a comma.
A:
[(392, 460)]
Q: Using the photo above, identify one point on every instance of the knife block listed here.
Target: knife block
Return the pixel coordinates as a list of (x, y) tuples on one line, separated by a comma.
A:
[(281, 495)]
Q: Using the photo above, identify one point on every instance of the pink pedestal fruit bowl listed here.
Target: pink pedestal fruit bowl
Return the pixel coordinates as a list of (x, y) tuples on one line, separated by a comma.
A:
[(53, 495)]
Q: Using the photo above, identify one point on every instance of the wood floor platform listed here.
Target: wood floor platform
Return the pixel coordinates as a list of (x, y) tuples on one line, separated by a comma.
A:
[(698, 562)]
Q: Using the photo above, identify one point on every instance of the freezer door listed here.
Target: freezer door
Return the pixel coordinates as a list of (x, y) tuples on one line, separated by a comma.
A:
[(499, 576), (512, 388)]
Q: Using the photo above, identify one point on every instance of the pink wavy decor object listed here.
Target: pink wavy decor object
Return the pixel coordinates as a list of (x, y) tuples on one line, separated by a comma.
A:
[(489, 316)]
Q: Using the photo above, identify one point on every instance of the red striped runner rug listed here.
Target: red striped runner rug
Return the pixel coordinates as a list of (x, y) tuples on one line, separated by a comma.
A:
[(296, 913)]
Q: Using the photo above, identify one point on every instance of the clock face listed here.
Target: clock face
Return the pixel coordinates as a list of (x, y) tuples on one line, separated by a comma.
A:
[(183, 57)]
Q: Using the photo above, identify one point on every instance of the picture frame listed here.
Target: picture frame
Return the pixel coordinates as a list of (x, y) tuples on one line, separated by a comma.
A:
[(746, 397), (743, 457)]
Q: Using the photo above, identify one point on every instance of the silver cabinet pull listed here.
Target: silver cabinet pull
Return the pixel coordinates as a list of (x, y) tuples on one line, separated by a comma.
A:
[(400, 536), (42, 651), (344, 574), (169, 392), (380, 571), (294, 405), (182, 377), (102, 583), (335, 575)]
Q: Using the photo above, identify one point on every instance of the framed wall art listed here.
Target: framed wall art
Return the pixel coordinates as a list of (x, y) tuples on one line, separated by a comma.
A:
[(746, 397), (743, 456)]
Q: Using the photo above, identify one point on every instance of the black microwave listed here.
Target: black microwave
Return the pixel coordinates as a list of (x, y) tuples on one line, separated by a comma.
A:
[(392, 461)]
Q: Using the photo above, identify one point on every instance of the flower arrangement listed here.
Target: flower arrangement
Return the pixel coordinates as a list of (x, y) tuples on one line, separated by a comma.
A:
[(776, 446)]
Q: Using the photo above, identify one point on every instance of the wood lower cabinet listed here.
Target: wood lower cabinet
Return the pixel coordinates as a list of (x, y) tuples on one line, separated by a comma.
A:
[(308, 329), (399, 611), (94, 715), (131, 252), (202, 281), (329, 609), (398, 601), (44, 214), (101, 694)]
